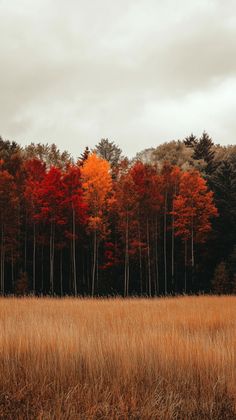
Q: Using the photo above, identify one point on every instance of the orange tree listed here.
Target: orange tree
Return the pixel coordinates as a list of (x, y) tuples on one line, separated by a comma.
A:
[(193, 209), (97, 185)]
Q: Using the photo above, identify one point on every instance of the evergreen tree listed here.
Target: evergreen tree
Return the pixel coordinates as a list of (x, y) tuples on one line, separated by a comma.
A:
[(223, 183), (191, 141), (203, 149), (84, 156), (109, 151)]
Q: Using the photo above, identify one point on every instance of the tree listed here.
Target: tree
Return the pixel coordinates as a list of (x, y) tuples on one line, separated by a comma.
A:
[(223, 183), (176, 153), (49, 154), (50, 196), (149, 198), (74, 210), (97, 184), (35, 171), (125, 208), (204, 150), (84, 156), (9, 222), (193, 210), (109, 151), (191, 141), (8, 149)]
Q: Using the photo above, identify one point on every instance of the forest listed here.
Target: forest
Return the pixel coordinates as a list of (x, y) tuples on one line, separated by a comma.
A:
[(161, 223)]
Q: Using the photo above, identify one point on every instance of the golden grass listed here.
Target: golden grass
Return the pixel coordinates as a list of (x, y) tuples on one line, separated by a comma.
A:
[(171, 358)]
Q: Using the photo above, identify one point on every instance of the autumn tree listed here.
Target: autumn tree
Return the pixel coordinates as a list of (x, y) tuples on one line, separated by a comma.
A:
[(50, 196), (193, 210), (74, 211), (9, 223), (147, 186), (97, 184), (35, 171), (125, 207)]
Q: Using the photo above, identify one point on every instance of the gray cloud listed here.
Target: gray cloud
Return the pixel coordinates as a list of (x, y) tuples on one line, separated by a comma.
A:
[(138, 72)]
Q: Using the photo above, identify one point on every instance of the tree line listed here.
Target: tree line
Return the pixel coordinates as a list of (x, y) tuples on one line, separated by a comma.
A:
[(161, 223)]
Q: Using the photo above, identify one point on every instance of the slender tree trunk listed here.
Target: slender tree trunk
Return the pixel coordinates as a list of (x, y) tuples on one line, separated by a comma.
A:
[(12, 270), (52, 244), (192, 254), (25, 246), (173, 243), (74, 253), (185, 266), (140, 260), (149, 261), (34, 258), (165, 251), (88, 265), (126, 287), (2, 260), (156, 261), (61, 273), (42, 268), (97, 266), (94, 260), (173, 252)]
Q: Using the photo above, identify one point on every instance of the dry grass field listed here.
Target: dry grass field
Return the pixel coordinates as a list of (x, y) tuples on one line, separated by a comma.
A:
[(171, 358)]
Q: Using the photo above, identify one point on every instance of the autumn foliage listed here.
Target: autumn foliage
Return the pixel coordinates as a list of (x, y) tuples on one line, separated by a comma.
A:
[(87, 228)]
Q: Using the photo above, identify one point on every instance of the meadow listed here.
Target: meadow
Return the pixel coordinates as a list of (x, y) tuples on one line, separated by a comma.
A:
[(162, 358)]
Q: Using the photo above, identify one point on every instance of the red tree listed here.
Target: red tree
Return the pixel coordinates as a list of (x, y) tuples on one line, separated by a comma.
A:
[(74, 209)]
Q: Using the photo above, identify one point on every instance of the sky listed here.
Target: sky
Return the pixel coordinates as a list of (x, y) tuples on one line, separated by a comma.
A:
[(138, 72)]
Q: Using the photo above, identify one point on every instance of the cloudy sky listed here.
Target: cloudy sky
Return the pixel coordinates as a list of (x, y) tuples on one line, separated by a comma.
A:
[(139, 72)]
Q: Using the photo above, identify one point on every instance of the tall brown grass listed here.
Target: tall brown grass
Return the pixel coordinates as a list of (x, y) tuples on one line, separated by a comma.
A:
[(171, 358)]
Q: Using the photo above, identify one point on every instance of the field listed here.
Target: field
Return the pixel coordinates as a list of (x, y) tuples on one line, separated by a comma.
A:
[(167, 358)]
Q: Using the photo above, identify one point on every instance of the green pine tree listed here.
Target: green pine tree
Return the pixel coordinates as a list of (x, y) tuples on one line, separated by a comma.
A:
[(203, 149)]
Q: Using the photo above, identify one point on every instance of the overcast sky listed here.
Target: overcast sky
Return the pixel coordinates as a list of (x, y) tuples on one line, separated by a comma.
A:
[(139, 72)]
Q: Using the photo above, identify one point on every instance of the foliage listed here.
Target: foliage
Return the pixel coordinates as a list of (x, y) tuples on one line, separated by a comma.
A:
[(110, 225)]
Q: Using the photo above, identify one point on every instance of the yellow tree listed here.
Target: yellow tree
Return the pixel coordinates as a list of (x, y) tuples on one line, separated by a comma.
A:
[(97, 184)]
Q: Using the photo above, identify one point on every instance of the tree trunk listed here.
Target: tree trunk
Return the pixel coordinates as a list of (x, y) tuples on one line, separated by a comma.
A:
[(173, 243), (12, 270), (97, 266), (74, 253), (173, 252), (25, 245), (149, 261), (192, 255), (61, 274), (2, 260), (140, 260), (165, 252), (126, 287), (94, 260), (52, 240), (157, 288), (185, 266), (42, 268), (34, 258)]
